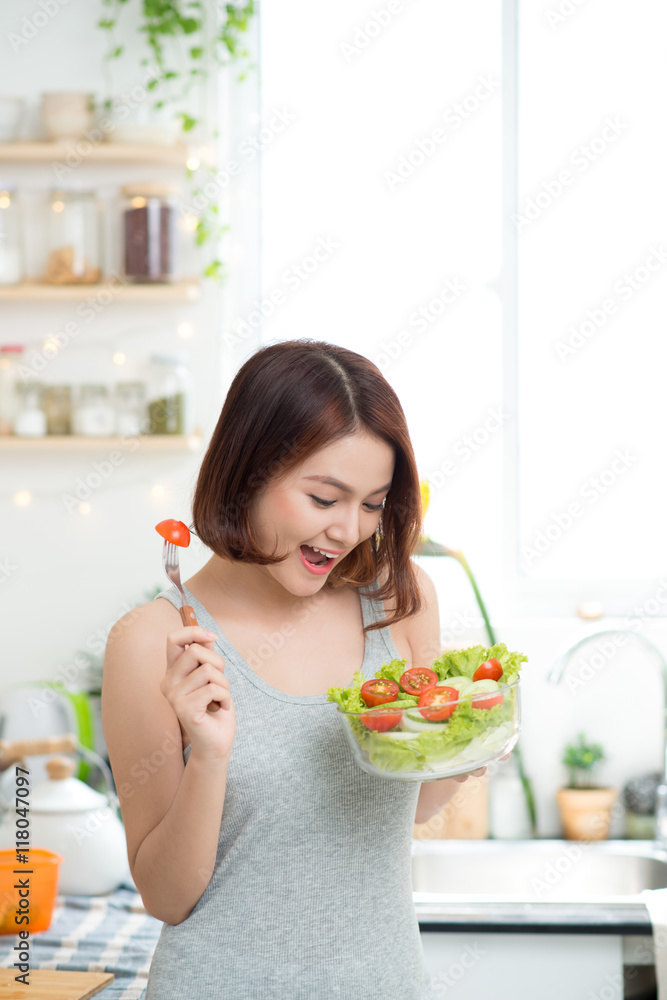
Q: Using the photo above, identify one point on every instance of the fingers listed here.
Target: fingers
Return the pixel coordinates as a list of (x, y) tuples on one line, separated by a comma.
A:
[(195, 641), (470, 774)]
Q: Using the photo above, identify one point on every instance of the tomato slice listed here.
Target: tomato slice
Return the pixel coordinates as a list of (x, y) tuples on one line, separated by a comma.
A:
[(490, 670), (488, 699), (418, 679), (443, 699), (174, 531), (379, 691), (381, 722)]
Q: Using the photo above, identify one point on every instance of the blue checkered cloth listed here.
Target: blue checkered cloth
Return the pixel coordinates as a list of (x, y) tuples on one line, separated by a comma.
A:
[(111, 933)]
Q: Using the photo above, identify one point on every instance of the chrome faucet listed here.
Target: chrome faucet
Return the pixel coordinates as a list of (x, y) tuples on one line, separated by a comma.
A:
[(555, 674)]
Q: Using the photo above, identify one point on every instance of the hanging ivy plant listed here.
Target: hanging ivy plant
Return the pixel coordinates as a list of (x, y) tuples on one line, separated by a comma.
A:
[(185, 40)]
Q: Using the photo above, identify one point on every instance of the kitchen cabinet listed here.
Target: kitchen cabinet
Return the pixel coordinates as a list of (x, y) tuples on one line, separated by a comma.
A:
[(509, 966)]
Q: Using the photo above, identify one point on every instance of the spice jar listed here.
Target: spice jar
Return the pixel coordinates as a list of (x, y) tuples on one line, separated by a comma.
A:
[(11, 238), (10, 362), (94, 416), (30, 420), (130, 403), (74, 243), (149, 232), (169, 394), (57, 403)]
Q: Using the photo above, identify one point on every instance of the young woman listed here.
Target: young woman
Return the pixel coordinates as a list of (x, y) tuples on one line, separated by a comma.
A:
[(280, 868)]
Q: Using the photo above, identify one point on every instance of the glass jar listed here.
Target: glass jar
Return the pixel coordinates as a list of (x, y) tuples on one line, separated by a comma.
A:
[(169, 394), (30, 420), (10, 362), (149, 232), (73, 238), (57, 403), (11, 238), (130, 400), (93, 415)]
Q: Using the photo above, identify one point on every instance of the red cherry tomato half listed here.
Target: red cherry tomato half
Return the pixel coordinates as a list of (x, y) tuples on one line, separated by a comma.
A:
[(174, 531), (379, 691), (443, 699), (381, 722), (491, 670), (488, 699), (418, 679)]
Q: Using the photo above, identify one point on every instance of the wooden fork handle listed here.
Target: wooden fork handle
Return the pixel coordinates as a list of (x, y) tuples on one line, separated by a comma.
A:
[(188, 617)]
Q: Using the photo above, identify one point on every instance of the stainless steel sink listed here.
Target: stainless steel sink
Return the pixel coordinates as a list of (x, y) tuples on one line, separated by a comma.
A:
[(540, 881)]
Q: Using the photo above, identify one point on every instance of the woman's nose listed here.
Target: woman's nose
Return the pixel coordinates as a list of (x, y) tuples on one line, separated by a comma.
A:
[(344, 530)]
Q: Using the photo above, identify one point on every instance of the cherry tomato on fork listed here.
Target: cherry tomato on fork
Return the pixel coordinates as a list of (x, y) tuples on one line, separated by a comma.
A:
[(418, 679), (174, 531), (379, 691)]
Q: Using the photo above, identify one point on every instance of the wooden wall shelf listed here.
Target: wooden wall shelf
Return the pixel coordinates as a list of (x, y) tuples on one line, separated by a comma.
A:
[(87, 152), (71, 442), (33, 291)]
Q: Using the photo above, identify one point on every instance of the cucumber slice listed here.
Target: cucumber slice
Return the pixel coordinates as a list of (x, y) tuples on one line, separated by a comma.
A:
[(401, 736), (461, 684), (483, 686), (415, 722)]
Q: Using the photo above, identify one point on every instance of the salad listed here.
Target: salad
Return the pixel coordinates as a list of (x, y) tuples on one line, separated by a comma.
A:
[(433, 722)]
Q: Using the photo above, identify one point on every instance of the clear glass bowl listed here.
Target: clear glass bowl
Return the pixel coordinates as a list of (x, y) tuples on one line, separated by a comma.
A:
[(470, 738)]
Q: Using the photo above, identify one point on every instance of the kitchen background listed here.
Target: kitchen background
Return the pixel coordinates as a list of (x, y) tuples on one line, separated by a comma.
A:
[(427, 184)]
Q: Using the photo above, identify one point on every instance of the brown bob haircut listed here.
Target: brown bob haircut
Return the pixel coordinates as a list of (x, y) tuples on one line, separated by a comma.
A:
[(287, 401)]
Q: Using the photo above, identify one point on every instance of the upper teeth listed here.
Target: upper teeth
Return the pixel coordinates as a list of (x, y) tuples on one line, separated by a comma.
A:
[(324, 553)]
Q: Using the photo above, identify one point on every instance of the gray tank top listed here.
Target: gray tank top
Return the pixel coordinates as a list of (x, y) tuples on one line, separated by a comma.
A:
[(311, 895)]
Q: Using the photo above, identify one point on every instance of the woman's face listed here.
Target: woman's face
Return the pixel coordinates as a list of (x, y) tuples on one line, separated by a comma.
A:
[(332, 501)]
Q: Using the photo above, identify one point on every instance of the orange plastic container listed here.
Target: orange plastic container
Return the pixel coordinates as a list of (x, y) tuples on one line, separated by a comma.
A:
[(40, 882)]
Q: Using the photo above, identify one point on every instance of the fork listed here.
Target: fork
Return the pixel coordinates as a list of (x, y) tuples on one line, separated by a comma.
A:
[(188, 616)]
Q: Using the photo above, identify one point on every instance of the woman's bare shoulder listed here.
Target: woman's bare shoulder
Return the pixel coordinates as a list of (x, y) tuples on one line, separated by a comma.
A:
[(143, 624)]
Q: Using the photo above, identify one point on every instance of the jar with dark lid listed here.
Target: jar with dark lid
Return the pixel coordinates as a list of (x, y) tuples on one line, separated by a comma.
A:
[(149, 232)]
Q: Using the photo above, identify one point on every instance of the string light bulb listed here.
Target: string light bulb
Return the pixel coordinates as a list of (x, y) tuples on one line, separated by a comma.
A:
[(119, 358), (84, 507), (22, 498)]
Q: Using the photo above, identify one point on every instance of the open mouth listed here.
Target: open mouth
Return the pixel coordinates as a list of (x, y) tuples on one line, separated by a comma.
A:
[(315, 558)]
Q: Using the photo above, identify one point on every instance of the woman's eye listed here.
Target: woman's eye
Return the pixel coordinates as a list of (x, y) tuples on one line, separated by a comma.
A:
[(320, 501), (375, 507)]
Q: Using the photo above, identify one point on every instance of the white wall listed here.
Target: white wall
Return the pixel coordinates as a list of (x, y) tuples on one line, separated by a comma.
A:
[(67, 576)]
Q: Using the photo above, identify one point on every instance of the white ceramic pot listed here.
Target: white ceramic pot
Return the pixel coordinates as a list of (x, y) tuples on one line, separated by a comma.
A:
[(11, 109), (66, 116), (70, 818)]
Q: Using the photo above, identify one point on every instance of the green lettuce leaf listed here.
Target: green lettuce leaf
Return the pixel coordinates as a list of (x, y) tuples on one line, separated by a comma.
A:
[(392, 671), (394, 756), (464, 662), (349, 698)]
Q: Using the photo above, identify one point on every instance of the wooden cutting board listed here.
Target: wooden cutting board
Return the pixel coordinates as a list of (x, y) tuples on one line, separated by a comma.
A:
[(53, 984)]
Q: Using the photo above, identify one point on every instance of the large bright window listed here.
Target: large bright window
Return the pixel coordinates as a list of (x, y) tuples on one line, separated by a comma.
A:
[(415, 207)]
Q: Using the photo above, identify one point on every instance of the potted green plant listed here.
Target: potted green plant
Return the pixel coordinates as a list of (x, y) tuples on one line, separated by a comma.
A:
[(585, 807)]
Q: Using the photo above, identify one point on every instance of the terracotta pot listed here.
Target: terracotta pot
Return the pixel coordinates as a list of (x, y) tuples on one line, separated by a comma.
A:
[(585, 812)]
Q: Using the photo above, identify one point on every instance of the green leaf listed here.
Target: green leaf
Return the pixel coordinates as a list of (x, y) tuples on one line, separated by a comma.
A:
[(107, 25), (152, 84), (187, 121), (197, 52), (118, 51)]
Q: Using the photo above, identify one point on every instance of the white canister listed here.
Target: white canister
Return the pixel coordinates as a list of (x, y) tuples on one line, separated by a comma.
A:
[(70, 818), (508, 812), (11, 109)]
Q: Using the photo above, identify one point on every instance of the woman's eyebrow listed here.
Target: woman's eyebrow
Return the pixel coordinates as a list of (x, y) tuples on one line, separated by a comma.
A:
[(343, 486)]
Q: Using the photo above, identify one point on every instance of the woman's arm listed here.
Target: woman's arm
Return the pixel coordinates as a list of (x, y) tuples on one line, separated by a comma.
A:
[(423, 634), (171, 811)]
